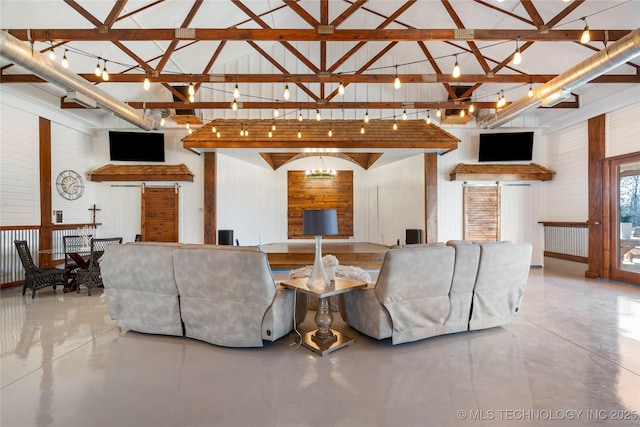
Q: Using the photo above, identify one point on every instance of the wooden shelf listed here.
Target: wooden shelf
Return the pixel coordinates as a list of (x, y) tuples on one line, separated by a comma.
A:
[(500, 172)]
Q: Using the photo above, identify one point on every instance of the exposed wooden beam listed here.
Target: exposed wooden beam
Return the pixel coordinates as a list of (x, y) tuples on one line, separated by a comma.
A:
[(339, 35)]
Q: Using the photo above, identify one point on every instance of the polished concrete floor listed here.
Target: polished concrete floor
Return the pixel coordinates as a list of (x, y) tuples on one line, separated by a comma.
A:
[(571, 357)]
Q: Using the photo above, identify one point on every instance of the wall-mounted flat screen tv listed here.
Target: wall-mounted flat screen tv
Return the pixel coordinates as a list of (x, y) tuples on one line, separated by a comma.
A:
[(136, 146), (504, 147)]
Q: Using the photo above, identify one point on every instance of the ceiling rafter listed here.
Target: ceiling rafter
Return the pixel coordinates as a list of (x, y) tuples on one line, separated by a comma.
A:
[(293, 4), (174, 43), (347, 13), (472, 45)]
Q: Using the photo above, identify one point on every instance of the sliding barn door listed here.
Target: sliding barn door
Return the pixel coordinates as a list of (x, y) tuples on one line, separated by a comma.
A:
[(160, 214), (482, 213)]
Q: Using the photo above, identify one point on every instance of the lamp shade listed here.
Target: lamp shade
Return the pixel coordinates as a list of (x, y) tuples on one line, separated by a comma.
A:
[(319, 222)]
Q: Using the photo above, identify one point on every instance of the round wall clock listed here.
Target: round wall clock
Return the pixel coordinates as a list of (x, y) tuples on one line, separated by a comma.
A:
[(70, 185)]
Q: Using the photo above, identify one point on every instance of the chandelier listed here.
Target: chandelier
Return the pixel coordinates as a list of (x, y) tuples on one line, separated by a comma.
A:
[(320, 173)]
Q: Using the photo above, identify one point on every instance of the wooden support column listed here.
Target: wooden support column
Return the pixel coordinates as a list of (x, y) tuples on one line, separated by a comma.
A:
[(596, 133), (46, 222), (431, 197), (210, 198)]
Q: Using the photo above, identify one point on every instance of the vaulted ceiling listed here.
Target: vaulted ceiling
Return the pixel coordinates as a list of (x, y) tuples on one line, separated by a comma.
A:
[(312, 46)]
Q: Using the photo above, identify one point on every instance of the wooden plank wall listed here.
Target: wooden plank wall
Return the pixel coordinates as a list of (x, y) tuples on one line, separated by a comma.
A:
[(482, 213), (306, 193)]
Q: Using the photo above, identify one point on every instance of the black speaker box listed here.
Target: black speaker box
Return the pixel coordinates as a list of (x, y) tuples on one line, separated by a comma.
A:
[(413, 236), (225, 237)]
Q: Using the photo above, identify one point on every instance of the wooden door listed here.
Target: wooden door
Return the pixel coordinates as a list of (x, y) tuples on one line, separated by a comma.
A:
[(482, 213), (160, 214)]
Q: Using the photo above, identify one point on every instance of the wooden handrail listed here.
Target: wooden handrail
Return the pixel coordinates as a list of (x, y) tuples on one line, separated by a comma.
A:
[(564, 224)]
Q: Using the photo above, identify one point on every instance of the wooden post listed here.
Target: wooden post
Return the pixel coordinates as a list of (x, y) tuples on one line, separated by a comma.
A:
[(46, 222), (596, 156), (210, 198), (431, 197)]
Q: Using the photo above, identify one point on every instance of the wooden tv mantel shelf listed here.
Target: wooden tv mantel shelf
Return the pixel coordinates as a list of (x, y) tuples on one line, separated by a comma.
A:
[(500, 172)]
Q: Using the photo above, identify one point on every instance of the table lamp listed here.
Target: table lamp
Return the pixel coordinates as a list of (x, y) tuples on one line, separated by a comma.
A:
[(319, 222)]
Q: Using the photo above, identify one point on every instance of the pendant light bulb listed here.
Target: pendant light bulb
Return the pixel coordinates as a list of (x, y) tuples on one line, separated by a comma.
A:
[(462, 113), (246, 131), (299, 134), (395, 125), (530, 93), (192, 99), (300, 116), (192, 89), (286, 94), (428, 117), (438, 113), (471, 108), (147, 84), (366, 117), (586, 36), (190, 131), (330, 133), (65, 61), (236, 92), (218, 134), (270, 134), (105, 73), (234, 105), (318, 116), (162, 122), (517, 57), (396, 82), (52, 55), (404, 115), (276, 112), (456, 69), (98, 70), (214, 129), (188, 126), (362, 130), (273, 126), (341, 88)]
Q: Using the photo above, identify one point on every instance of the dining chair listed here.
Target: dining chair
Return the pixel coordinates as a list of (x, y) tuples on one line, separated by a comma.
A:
[(73, 259), (91, 276), (37, 278)]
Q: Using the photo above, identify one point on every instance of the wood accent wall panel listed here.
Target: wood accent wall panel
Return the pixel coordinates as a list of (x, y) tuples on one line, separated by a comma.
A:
[(431, 197), (481, 213), (306, 193), (596, 129), (46, 232), (210, 191), (159, 210)]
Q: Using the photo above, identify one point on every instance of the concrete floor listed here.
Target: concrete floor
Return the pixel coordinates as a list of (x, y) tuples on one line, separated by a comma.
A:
[(571, 357)]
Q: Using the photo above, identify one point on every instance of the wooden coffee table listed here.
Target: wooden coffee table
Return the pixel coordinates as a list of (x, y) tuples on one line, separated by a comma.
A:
[(324, 340)]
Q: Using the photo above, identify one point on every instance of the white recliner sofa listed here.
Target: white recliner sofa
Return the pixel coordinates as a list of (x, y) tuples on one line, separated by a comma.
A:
[(435, 289), (222, 295)]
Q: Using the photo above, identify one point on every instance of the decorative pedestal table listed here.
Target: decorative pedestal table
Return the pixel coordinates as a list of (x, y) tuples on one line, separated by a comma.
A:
[(324, 340)]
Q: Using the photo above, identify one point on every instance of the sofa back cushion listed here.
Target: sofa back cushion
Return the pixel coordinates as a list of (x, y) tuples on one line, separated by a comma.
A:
[(140, 288), (502, 275), (224, 294), (413, 285), (464, 279)]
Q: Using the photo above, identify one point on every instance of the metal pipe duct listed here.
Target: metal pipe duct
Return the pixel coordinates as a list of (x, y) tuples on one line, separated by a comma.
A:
[(43, 67), (610, 57)]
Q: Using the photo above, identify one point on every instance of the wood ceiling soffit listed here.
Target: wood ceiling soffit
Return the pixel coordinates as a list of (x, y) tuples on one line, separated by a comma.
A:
[(500, 172), (364, 160), (142, 173), (411, 134)]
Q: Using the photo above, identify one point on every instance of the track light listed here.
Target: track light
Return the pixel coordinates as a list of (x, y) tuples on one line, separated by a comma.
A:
[(147, 84), (286, 94), (586, 36), (517, 57), (456, 69), (341, 88), (366, 117), (396, 81), (65, 61)]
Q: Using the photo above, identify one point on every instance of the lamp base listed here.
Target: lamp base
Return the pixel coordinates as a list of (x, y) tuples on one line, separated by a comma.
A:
[(318, 277)]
